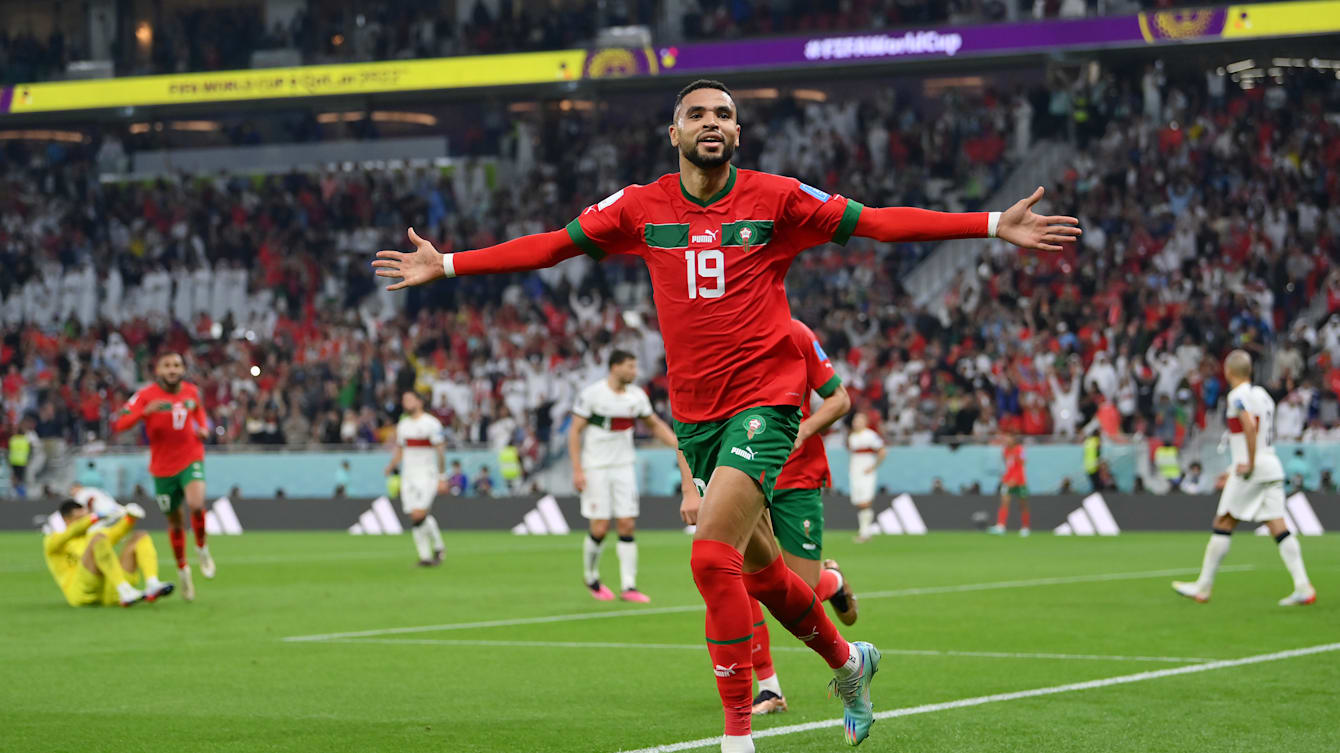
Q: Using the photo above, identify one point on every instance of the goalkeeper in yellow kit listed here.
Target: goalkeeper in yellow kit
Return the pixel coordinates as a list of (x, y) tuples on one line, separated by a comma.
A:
[(84, 562)]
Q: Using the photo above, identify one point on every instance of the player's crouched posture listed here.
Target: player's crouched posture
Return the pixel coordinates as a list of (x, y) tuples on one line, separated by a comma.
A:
[(1254, 491), (419, 453), (718, 242), (604, 469), (84, 562)]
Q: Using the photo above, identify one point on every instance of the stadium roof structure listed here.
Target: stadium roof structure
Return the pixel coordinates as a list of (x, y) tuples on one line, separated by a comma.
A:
[(1147, 30)]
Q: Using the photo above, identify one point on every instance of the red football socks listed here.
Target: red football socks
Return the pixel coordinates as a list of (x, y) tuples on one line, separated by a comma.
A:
[(716, 571), (797, 607), (762, 647), (1002, 514), (828, 584), (1023, 518), (198, 525), (177, 537)]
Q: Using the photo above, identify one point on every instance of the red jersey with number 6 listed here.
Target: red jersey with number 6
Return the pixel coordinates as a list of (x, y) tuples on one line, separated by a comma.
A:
[(807, 468), (717, 270), (173, 443)]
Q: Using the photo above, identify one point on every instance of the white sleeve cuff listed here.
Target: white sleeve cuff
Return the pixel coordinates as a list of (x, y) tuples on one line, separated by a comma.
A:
[(992, 220), (449, 266)]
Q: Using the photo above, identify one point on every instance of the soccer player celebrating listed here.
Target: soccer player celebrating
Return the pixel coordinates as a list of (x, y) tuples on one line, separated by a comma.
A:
[(718, 242), (84, 562), (604, 470), (798, 510), (1254, 491), (422, 460), (175, 421), (1012, 484)]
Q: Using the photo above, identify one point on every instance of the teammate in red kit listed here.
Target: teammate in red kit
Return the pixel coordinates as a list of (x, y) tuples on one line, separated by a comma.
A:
[(718, 242), (798, 510), (177, 426), (1014, 484)]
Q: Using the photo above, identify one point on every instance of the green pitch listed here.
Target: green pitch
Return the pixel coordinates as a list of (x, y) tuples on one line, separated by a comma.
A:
[(959, 616)]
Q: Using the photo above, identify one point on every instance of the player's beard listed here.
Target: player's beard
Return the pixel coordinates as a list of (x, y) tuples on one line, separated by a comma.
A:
[(701, 160), (169, 385)]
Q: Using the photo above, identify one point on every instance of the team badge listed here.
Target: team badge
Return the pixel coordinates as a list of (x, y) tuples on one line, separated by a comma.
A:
[(746, 234), (806, 526), (754, 425)]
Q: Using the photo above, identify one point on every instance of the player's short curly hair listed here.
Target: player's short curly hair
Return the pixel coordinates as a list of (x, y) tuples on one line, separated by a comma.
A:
[(702, 83)]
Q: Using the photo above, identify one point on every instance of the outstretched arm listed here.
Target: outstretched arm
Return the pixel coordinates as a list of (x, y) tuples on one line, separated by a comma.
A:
[(424, 264), (1018, 225)]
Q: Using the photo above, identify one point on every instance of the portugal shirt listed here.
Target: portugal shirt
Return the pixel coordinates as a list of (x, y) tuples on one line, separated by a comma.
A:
[(1248, 398), (419, 439), (808, 467), (717, 270), (607, 440), (173, 443)]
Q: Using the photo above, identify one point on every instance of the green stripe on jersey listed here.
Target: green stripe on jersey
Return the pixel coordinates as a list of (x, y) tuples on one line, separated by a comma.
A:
[(597, 420), (672, 235), (829, 387), (579, 238), (746, 233), (848, 224)]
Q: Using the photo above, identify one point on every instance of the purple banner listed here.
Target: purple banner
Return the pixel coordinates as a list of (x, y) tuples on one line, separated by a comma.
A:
[(946, 42)]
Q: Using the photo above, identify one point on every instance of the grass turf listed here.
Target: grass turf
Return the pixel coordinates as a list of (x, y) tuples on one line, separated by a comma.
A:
[(216, 675)]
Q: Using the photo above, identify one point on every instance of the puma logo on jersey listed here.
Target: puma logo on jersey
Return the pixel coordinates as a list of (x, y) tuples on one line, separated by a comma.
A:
[(708, 236), (747, 453), (721, 671)]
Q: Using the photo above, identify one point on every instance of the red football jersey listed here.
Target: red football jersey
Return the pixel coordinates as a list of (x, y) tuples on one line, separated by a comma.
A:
[(1014, 466), (717, 270), (173, 443), (808, 467)]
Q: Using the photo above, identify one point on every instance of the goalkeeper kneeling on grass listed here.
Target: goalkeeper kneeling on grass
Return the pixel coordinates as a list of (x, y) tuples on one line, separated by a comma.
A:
[(86, 566)]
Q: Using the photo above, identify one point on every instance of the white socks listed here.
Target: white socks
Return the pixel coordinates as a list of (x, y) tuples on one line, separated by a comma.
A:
[(737, 744), (1292, 554), (421, 542), (770, 683), (627, 551), (866, 516), (434, 533), (1214, 554), (591, 549), (852, 665)]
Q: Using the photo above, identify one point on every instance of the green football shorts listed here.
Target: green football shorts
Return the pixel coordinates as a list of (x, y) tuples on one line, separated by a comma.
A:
[(169, 491), (798, 521), (757, 441)]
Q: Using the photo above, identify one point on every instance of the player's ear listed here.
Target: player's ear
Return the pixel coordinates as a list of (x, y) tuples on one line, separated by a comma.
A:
[(673, 130)]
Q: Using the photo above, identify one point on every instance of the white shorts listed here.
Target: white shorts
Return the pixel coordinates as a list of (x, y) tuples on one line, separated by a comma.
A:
[(863, 488), (610, 493), (1252, 501), (417, 493)]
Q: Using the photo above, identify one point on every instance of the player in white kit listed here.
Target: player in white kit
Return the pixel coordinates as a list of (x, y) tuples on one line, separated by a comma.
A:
[(423, 464), (1254, 491), (867, 452), (604, 469)]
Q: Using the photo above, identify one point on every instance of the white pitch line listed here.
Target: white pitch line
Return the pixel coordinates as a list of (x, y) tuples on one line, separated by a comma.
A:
[(1064, 580), (929, 708), (701, 647)]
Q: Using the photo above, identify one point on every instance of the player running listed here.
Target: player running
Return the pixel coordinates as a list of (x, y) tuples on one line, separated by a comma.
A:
[(604, 469), (421, 457), (83, 560), (867, 452), (798, 511), (176, 424), (1254, 491), (1013, 484), (718, 242)]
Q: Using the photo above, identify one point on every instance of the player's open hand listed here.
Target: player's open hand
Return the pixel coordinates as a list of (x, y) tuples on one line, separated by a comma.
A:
[(579, 479), (1024, 228), (422, 265)]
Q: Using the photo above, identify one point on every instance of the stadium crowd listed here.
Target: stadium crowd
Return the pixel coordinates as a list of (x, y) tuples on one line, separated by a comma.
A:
[(188, 37), (1211, 223)]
